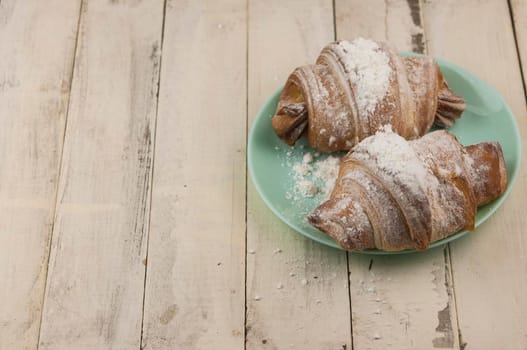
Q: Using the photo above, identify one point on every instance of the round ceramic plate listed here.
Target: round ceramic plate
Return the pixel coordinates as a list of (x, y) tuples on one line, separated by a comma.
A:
[(486, 118)]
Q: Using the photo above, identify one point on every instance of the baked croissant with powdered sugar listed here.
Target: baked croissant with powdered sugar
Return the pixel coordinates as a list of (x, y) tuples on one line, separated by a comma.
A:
[(355, 88), (393, 194)]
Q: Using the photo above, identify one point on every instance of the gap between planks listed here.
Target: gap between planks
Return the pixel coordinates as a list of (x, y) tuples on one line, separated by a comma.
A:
[(246, 169), (449, 277), (515, 35), (154, 133), (309, 27), (50, 242), (348, 271)]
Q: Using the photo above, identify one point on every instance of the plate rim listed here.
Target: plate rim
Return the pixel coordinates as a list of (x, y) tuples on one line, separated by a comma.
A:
[(497, 203)]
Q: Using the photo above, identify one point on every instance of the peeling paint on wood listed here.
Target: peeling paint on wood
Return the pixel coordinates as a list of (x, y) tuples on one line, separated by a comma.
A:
[(415, 11), (399, 22), (445, 327), (418, 43)]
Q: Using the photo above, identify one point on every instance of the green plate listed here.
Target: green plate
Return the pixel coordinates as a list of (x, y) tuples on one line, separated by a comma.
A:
[(486, 118)]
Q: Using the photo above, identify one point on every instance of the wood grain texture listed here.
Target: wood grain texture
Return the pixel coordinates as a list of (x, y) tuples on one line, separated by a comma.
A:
[(489, 266), (196, 260), (37, 44), (297, 289), (519, 13), (95, 282), (399, 302)]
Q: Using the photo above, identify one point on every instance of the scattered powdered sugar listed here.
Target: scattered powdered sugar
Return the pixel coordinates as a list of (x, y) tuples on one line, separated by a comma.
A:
[(368, 67), (306, 188), (310, 178), (315, 176), (312, 174), (302, 169), (327, 171)]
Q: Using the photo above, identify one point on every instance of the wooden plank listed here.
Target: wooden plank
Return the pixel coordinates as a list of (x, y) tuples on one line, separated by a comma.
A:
[(95, 282), (311, 310), (489, 267), (519, 12), (196, 262), (37, 50), (399, 302)]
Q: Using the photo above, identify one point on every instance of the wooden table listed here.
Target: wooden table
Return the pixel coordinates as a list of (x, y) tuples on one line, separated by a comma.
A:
[(127, 220)]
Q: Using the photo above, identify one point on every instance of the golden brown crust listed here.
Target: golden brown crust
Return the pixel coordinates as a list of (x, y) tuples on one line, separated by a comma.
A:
[(416, 96), (423, 80), (445, 157), (488, 172), (449, 105), (406, 194)]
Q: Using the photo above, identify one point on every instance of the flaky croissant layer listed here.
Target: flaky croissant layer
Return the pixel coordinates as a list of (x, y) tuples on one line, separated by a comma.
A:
[(355, 88), (393, 194)]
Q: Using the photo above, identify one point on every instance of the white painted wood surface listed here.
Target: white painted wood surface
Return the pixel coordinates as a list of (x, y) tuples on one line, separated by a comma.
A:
[(37, 44), (399, 302), (206, 265), (487, 266), (311, 311), (196, 260), (96, 273), (519, 12)]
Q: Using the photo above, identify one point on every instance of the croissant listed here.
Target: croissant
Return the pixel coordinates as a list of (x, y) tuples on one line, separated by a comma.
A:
[(393, 194), (355, 88)]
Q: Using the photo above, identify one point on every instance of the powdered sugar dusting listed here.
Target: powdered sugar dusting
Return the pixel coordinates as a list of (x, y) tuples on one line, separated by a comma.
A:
[(477, 173), (323, 94), (402, 180), (401, 162), (390, 218), (417, 74), (368, 67), (444, 154)]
